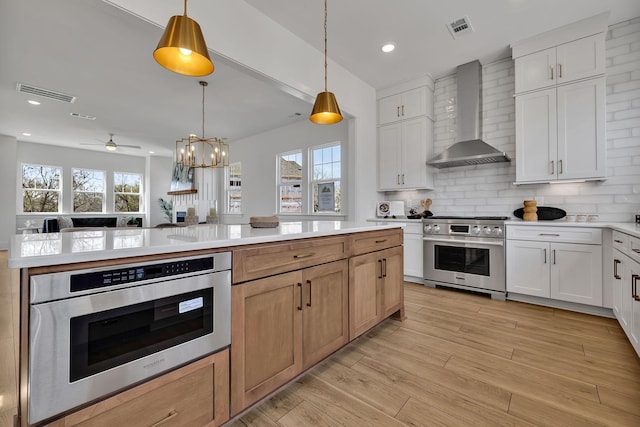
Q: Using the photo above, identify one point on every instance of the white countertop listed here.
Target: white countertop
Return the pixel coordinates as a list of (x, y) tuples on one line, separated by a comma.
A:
[(625, 227), (36, 250)]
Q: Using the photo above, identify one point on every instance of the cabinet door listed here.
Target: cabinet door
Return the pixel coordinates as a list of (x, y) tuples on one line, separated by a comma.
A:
[(576, 273), (620, 274), (416, 135), (528, 267), (536, 71), (580, 59), (413, 263), (325, 317), (634, 305), (365, 274), (536, 136), (266, 343), (391, 293), (414, 103), (389, 109), (389, 156), (581, 130)]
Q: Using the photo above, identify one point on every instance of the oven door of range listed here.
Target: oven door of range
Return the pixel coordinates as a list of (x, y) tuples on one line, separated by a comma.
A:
[(465, 262), (86, 347)]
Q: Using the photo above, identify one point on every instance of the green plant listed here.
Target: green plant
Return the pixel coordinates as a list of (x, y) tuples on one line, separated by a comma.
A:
[(167, 208)]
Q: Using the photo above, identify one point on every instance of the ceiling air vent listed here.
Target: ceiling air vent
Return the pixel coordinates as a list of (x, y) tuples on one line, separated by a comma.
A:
[(45, 93), (82, 116), (460, 27)]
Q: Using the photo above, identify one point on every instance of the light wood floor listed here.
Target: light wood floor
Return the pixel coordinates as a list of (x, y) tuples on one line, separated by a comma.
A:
[(458, 360)]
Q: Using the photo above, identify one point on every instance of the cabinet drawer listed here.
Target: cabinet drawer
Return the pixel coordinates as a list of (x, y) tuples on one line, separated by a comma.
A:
[(196, 394), (620, 241), (634, 248), (371, 241), (263, 261), (585, 235)]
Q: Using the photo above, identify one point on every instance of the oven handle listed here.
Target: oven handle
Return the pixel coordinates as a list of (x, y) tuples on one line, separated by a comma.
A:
[(475, 243)]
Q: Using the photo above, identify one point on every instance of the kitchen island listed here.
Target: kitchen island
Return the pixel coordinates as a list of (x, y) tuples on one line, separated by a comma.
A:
[(300, 292)]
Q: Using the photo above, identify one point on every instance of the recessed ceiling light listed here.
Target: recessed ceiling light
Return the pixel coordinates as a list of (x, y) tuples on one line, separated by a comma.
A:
[(26, 134), (33, 102), (389, 47), (152, 152)]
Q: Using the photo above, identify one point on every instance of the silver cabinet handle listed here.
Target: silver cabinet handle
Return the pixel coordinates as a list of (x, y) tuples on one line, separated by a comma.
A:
[(402, 179), (559, 71), (551, 66), (559, 167), (553, 169), (398, 111), (554, 256), (403, 110), (549, 234), (615, 269), (398, 179), (634, 285), (545, 255)]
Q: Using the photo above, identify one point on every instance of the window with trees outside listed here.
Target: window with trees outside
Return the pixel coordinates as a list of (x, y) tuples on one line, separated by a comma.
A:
[(88, 190), (41, 188), (326, 171), (234, 188), (127, 189), (290, 182)]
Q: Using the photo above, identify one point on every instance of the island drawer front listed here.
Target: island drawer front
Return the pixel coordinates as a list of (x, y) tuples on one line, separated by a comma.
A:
[(267, 260), (584, 235), (372, 241), (621, 241)]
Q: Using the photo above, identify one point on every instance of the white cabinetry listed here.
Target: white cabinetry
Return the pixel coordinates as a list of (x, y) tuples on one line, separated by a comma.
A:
[(626, 275), (560, 104), (560, 263), (560, 133), (567, 62), (413, 262), (403, 149), (402, 106)]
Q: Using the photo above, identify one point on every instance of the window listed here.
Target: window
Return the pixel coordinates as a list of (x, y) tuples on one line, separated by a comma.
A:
[(234, 188), (88, 190), (128, 191), (290, 182), (325, 178), (41, 188)]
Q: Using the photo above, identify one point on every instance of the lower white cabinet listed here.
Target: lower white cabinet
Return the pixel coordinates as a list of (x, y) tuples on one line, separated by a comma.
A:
[(554, 262), (413, 245), (626, 278)]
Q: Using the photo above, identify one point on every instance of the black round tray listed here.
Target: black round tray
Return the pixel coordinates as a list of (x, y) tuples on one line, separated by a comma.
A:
[(544, 213)]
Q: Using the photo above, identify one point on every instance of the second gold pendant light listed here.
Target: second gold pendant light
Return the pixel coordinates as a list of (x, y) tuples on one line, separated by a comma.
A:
[(325, 110), (182, 48)]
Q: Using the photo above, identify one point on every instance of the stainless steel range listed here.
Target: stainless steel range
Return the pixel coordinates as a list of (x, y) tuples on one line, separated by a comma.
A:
[(465, 253)]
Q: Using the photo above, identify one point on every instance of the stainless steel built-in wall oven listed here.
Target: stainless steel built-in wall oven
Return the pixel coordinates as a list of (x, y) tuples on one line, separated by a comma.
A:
[(96, 331), (465, 253)]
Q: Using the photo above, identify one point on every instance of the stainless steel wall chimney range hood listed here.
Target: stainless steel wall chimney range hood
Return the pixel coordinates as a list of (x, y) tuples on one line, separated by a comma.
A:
[(470, 149)]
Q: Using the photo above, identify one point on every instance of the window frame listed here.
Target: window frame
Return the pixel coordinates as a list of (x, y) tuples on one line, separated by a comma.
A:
[(232, 188), (74, 191), (280, 183), (313, 182), (59, 190), (140, 193)]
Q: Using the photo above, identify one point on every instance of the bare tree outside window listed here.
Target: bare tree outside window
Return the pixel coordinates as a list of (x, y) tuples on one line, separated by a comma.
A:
[(88, 190), (128, 191), (290, 182), (41, 186), (326, 166)]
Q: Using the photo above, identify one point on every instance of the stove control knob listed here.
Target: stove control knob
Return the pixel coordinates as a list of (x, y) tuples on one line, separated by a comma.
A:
[(475, 230), (436, 228), (427, 228), (486, 230), (497, 231)]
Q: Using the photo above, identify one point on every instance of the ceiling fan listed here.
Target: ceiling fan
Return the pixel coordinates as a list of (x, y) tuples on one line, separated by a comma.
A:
[(110, 145)]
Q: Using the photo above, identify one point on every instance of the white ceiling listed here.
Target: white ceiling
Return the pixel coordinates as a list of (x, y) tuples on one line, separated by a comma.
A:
[(103, 56)]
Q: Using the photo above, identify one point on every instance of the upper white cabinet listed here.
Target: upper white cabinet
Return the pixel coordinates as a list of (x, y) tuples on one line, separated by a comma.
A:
[(560, 104), (560, 133), (565, 63), (402, 106), (405, 136)]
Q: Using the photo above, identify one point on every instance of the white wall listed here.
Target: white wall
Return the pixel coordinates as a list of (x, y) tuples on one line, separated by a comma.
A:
[(158, 183), (258, 156), (489, 189), (275, 53), (8, 146)]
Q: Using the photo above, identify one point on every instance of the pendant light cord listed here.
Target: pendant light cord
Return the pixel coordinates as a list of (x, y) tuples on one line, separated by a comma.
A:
[(203, 84), (325, 45), (185, 7)]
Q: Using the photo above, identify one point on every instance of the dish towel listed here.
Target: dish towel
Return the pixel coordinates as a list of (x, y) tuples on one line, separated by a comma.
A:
[(264, 221)]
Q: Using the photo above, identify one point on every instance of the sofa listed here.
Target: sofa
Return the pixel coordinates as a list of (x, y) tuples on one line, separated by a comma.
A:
[(52, 225)]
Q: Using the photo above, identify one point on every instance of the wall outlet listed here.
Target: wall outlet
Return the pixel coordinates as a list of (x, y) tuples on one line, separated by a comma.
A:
[(637, 219)]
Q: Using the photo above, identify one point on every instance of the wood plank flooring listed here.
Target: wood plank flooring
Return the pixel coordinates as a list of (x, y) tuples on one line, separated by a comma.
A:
[(464, 360), (458, 360)]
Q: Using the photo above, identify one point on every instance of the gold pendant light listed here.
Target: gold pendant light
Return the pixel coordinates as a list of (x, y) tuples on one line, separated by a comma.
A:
[(325, 110), (182, 48), (202, 152)]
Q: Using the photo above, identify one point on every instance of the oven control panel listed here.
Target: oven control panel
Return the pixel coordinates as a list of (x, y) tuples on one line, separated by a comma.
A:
[(470, 230)]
